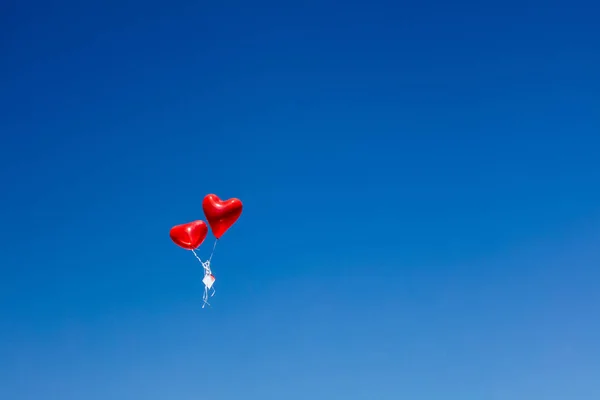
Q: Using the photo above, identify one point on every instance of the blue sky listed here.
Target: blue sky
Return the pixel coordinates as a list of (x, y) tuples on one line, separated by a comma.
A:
[(421, 190)]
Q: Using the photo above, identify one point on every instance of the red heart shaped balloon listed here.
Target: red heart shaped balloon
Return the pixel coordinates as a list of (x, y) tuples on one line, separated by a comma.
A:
[(189, 236), (221, 214)]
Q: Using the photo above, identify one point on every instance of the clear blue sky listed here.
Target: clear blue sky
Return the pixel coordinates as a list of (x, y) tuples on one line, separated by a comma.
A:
[(471, 131)]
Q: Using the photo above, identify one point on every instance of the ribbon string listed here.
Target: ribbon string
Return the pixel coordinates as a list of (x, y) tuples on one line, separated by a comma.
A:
[(207, 272)]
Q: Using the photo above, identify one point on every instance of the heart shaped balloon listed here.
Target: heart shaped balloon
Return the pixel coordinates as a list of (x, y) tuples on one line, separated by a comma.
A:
[(189, 236), (221, 214)]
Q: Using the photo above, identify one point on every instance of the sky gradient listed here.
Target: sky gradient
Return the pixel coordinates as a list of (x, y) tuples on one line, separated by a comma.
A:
[(421, 183)]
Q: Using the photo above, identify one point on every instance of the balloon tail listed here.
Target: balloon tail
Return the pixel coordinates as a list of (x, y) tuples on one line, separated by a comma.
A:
[(205, 296)]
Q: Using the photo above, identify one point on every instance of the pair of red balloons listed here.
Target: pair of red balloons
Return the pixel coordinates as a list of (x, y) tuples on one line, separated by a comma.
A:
[(220, 214)]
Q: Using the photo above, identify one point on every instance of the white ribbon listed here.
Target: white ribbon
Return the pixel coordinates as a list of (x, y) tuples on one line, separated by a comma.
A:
[(207, 272)]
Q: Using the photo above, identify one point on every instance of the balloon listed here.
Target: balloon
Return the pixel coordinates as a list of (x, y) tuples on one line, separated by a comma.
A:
[(189, 236), (221, 215)]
